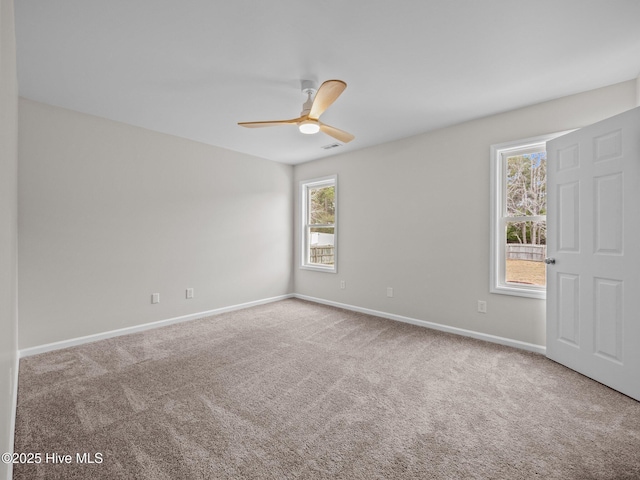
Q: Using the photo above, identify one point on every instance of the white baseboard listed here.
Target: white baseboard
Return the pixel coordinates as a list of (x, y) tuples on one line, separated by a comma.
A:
[(26, 352), (435, 326)]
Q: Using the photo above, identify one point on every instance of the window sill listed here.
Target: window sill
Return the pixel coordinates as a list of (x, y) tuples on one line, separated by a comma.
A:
[(539, 293), (318, 268)]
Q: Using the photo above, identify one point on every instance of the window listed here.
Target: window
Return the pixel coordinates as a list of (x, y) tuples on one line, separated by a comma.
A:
[(518, 217), (319, 215)]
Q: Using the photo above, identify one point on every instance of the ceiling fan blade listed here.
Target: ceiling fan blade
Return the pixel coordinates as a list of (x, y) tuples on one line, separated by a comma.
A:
[(344, 137), (328, 92), (271, 123)]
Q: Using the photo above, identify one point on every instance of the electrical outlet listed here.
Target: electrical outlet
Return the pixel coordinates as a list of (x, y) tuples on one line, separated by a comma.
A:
[(189, 293), (389, 292), (155, 298), (343, 284), (482, 306)]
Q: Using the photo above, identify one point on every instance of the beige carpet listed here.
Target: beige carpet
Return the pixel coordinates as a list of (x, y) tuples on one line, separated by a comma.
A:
[(295, 390)]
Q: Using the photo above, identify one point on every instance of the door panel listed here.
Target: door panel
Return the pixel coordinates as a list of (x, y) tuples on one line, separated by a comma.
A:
[(593, 221), (609, 328), (568, 204), (609, 214), (569, 309)]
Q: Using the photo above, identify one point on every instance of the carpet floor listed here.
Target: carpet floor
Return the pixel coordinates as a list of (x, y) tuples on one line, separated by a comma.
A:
[(296, 390)]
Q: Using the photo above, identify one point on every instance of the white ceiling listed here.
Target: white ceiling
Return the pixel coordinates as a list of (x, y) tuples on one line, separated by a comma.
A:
[(194, 68)]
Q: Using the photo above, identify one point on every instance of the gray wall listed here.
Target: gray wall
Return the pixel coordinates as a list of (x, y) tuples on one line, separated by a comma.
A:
[(8, 224), (425, 201), (110, 213)]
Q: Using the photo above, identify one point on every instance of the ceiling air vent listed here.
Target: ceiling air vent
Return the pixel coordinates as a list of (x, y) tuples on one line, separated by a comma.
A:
[(331, 145)]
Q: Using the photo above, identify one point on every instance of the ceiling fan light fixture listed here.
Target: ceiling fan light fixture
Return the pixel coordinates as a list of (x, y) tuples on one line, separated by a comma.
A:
[(309, 127)]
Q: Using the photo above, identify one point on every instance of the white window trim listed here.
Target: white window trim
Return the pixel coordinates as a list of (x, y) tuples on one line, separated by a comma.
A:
[(497, 185), (305, 185)]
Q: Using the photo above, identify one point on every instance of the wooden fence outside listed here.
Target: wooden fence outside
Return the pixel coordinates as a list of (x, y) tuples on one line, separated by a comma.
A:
[(321, 254), (521, 251)]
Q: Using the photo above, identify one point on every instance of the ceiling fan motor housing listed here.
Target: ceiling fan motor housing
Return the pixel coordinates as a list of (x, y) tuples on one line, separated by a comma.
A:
[(309, 90), (308, 87)]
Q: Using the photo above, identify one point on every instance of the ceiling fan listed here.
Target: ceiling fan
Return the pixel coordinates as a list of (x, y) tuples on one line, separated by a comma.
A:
[(308, 122)]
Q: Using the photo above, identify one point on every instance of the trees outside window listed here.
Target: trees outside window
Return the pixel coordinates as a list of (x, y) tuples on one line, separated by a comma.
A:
[(319, 209), (525, 199)]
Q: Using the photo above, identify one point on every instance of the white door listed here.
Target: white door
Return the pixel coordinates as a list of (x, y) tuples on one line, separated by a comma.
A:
[(593, 215)]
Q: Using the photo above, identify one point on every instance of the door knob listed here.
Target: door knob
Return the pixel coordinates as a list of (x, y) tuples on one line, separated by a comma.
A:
[(550, 261)]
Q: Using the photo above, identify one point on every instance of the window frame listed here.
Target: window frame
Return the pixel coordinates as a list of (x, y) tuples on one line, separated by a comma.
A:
[(305, 186), (499, 218)]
